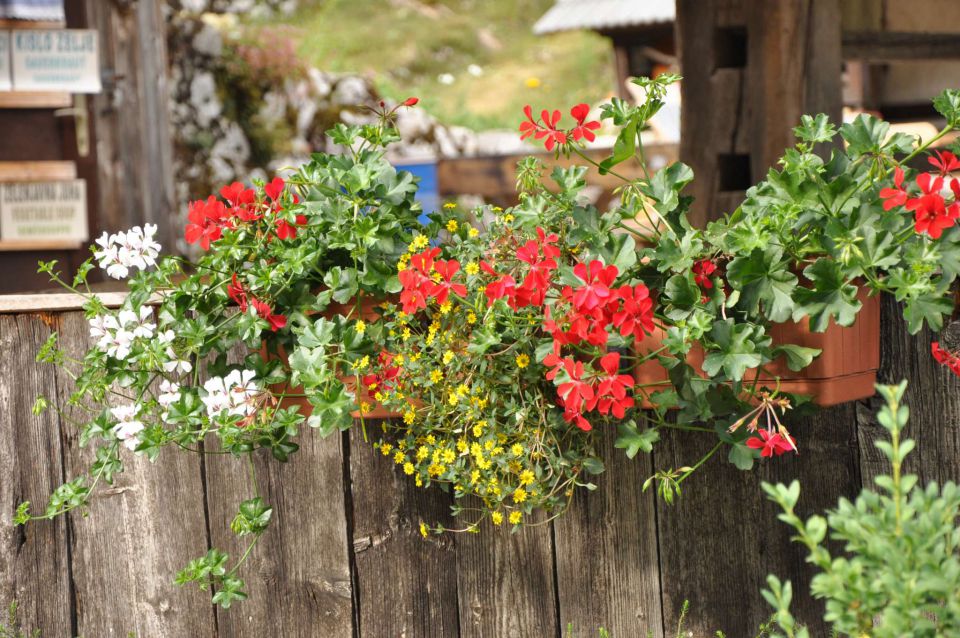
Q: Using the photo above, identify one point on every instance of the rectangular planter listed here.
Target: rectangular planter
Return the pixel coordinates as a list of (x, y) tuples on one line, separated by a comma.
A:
[(846, 369)]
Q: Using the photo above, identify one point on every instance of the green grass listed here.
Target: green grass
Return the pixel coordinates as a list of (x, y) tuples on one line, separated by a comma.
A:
[(404, 45)]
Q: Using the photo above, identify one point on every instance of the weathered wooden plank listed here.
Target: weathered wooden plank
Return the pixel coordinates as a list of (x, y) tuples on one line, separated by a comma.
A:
[(298, 576), (140, 532), (886, 46), (34, 560), (721, 538), (407, 586), (606, 550), (933, 396), (17, 304), (506, 582)]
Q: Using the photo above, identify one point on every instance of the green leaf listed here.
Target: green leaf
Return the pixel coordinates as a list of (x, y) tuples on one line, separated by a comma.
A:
[(633, 440), (666, 184), (830, 296), (741, 456), (764, 277), (798, 357), (928, 308), (623, 148), (815, 130), (252, 518), (947, 104), (737, 352), (593, 465), (868, 135)]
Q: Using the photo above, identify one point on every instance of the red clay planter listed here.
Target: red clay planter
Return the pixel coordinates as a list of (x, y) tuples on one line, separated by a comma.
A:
[(846, 369)]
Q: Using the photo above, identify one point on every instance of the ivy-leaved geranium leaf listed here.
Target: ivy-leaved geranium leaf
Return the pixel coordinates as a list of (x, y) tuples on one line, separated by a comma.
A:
[(319, 333), (949, 249), (683, 294), (930, 308), (309, 367), (677, 255), (764, 277), (947, 104), (815, 129), (666, 184), (331, 410), (482, 341), (623, 148), (829, 297), (732, 350), (868, 135), (343, 283), (741, 456), (798, 357), (632, 440), (620, 251), (395, 187)]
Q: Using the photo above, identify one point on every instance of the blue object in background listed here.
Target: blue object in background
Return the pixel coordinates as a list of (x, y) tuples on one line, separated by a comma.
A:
[(427, 193)]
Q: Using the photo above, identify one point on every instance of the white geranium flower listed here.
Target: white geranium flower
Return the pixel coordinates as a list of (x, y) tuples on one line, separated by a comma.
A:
[(233, 394), (122, 251), (169, 393), (117, 344), (128, 424)]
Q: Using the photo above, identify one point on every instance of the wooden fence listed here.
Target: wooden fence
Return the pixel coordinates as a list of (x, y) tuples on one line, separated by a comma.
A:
[(344, 556)]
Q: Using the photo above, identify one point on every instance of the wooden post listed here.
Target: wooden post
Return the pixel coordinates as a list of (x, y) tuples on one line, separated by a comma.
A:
[(751, 69)]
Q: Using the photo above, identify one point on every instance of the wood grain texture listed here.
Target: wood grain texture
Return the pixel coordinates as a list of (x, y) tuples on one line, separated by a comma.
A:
[(34, 560), (719, 541), (407, 585), (506, 582), (140, 532), (298, 576), (608, 571)]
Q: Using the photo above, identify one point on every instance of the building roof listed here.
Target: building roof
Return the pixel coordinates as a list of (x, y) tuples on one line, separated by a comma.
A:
[(599, 15), (31, 10)]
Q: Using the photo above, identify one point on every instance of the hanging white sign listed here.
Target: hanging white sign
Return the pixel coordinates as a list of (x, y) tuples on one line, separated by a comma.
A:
[(55, 60), (5, 81), (43, 211)]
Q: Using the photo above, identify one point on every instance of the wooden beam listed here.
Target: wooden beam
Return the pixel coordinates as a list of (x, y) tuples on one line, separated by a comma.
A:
[(37, 171), (882, 46), (18, 304)]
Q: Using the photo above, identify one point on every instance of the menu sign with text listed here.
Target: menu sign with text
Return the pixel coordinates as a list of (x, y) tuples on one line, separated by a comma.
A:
[(55, 60), (43, 211), (5, 81)]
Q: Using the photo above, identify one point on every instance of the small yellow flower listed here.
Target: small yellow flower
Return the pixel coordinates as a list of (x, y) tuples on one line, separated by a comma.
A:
[(471, 268), (516, 449), (386, 448), (522, 360), (406, 334), (449, 456), (515, 518), (424, 530), (361, 364), (409, 416), (436, 376), (497, 209), (422, 453), (360, 327), (461, 446), (497, 518), (408, 468), (452, 398), (448, 357), (471, 318), (418, 481), (449, 205), (532, 82), (399, 359), (452, 226), (364, 408), (399, 458), (526, 477), (508, 218), (445, 307), (463, 390), (473, 232), (419, 243)]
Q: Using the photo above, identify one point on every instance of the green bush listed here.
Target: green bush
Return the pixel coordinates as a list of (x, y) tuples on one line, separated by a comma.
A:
[(900, 572)]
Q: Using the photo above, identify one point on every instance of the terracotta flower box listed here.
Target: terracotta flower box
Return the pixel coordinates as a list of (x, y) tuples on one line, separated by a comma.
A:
[(846, 369)]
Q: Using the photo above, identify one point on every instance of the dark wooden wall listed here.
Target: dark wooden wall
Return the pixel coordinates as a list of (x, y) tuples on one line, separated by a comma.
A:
[(345, 558)]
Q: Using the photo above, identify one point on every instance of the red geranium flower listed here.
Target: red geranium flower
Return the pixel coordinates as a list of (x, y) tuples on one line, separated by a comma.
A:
[(897, 196), (635, 315), (274, 189), (546, 129), (237, 195), (945, 357), (286, 230), (237, 293), (583, 129), (411, 101), (771, 443), (207, 220), (441, 290), (945, 161), (265, 312), (702, 271), (931, 213), (597, 280), (611, 392)]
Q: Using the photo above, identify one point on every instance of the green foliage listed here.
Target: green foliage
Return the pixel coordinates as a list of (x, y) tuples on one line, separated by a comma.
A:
[(11, 627), (899, 572)]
